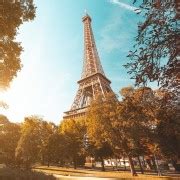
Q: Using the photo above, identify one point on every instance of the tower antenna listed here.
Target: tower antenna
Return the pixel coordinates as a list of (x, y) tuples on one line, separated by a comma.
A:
[(85, 11)]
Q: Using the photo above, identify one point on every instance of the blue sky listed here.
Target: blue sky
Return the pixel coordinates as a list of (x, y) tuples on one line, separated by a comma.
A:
[(53, 54)]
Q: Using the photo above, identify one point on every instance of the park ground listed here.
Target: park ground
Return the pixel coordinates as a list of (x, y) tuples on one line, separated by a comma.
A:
[(82, 173)]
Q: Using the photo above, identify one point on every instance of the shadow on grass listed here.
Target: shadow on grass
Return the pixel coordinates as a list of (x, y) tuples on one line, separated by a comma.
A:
[(19, 174)]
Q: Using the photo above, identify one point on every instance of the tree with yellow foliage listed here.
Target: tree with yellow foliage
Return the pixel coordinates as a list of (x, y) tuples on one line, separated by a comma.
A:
[(73, 131)]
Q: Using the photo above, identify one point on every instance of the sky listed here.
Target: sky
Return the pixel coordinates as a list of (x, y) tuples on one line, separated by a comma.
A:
[(53, 54)]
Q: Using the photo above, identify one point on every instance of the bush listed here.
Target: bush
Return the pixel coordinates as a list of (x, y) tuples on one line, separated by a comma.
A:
[(18, 174)]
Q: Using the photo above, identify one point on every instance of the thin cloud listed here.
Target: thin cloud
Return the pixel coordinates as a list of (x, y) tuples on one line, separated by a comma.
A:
[(125, 6)]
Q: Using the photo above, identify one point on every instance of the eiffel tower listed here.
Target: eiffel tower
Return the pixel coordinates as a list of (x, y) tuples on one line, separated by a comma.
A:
[(93, 80)]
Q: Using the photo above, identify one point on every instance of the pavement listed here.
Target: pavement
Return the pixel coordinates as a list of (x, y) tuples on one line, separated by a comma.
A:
[(60, 177)]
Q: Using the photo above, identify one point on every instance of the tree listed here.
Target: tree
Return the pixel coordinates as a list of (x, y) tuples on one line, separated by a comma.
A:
[(105, 125), (156, 53), (28, 148), (100, 152), (40, 142), (73, 131), (12, 15), (47, 130), (9, 137), (159, 135), (167, 129), (52, 148), (156, 58), (3, 104), (125, 125), (3, 119), (55, 149), (33, 142), (138, 107)]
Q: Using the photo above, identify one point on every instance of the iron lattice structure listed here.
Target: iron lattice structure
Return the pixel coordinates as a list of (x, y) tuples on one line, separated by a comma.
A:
[(93, 80)]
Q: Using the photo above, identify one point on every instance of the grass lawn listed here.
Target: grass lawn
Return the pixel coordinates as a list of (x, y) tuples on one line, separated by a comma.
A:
[(19, 174), (96, 173)]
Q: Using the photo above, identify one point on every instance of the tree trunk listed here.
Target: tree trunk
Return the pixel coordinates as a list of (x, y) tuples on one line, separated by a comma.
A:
[(144, 163), (148, 161), (27, 164), (175, 165), (75, 163), (43, 160), (102, 164), (140, 165), (133, 171), (157, 166), (124, 164), (116, 164), (154, 164), (49, 159)]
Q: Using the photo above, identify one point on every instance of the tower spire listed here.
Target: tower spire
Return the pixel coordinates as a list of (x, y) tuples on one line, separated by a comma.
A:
[(85, 11), (91, 64)]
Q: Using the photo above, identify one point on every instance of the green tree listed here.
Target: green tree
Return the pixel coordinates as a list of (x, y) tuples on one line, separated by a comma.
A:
[(73, 131), (12, 15)]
